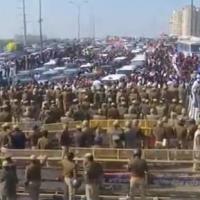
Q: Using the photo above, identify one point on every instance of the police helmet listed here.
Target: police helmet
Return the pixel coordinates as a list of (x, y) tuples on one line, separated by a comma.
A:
[(137, 153), (76, 183)]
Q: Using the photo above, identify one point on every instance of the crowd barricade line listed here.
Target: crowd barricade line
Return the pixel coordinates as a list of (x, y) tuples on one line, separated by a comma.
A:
[(29, 152), (104, 160), (110, 155), (151, 193)]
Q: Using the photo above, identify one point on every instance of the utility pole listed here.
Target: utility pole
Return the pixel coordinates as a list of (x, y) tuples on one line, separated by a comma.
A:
[(192, 17), (93, 22), (79, 21), (24, 22), (93, 27), (78, 6), (40, 25)]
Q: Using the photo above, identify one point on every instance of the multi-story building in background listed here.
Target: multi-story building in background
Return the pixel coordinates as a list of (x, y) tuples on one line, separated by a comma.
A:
[(176, 23), (185, 22), (197, 25)]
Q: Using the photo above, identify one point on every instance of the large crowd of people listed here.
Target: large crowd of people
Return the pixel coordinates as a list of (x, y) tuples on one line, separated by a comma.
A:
[(159, 94)]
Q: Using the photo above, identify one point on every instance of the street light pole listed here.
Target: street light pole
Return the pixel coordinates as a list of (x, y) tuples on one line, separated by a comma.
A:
[(93, 27), (78, 6), (192, 17), (24, 22), (79, 21), (40, 25), (93, 23)]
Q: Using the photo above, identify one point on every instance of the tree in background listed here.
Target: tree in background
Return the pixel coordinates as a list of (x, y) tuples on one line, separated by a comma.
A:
[(11, 46)]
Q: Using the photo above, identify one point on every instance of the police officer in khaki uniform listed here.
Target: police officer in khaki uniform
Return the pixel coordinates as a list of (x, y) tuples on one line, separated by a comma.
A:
[(173, 91), (154, 93), (184, 115), (104, 109), (69, 173), (181, 134), (33, 110), (43, 142), (116, 135), (170, 134), (152, 116), (160, 134), (161, 109), (145, 108), (138, 169), (134, 109), (134, 95), (122, 109), (16, 111), (68, 97), (113, 112), (143, 94), (173, 120), (5, 116), (165, 93), (179, 107), (172, 106), (99, 115)]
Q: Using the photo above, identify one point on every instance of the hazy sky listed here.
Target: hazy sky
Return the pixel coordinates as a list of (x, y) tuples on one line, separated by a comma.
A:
[(112, 17)]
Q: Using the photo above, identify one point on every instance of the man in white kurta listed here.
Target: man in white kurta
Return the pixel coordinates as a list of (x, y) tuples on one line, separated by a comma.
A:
[(196, 148), (195, 99)]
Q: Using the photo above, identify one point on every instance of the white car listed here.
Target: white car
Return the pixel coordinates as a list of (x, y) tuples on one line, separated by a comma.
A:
[(47, 76), (119, 59), (139, 60), (127, 69), (60, 69), (113, 77), (50, 63)]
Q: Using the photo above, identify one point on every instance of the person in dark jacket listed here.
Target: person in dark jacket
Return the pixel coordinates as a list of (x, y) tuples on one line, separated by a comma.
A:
[(33, 176), (78, 137), (8, 182), (18, 138), (65, 140), (130, 136), (93, 177), (11, 163), (88, 135)]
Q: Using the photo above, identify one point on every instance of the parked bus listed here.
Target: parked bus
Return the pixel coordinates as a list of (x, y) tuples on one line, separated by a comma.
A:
[(189, 46)]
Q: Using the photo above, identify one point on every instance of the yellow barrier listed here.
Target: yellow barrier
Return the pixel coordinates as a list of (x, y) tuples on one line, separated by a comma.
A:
[(145, 125), (109, 123)]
